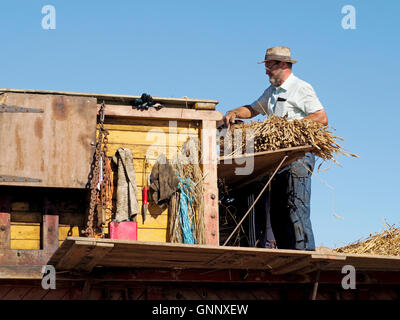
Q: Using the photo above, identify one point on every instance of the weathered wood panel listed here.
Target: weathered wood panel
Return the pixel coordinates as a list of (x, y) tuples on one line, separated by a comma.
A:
[(51, 146)]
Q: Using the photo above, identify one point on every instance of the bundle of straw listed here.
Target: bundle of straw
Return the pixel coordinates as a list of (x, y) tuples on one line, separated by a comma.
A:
[(187, 166), (276, 133), (386, 242)]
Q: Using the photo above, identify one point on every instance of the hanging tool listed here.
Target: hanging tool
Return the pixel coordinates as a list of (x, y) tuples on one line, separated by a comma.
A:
[(145, 191)]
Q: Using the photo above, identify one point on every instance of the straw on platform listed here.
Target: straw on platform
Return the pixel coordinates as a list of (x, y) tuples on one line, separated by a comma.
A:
[(276, 133), (386, 242)]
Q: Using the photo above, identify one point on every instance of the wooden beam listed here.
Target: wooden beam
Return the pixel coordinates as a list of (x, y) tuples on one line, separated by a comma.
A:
[(209, 165), (5, 209), (106, 96), (74, 255), (163, 113), (4, 230), (21, 272), (94, 256), (50, 232)]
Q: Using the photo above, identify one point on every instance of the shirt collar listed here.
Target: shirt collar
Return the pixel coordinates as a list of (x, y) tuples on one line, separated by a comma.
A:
[(285, 85)]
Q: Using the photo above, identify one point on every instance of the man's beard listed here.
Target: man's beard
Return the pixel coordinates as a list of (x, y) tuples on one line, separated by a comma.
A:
[(276, 80)]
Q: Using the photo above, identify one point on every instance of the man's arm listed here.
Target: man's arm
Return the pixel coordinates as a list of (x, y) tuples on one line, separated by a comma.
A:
[(243, 112), (318, 116)]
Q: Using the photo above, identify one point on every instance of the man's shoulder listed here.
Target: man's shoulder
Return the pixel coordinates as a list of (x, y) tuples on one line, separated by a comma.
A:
[(301, 82)]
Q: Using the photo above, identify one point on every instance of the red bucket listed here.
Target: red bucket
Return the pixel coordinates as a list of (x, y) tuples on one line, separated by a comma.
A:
[(126, 230)]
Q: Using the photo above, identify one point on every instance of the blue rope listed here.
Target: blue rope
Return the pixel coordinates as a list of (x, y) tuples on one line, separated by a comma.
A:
[(186, 213)]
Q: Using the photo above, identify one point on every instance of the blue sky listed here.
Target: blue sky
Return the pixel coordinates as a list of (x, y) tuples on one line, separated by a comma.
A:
[(210, 50)]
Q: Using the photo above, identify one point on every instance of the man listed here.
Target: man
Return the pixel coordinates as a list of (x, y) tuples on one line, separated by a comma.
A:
[(291, 187)]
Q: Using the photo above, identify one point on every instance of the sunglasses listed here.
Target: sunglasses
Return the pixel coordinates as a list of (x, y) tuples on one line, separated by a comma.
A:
[(270, 68)]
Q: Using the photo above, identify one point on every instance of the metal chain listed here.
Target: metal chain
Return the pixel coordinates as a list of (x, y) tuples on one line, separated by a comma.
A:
[(97, 197)]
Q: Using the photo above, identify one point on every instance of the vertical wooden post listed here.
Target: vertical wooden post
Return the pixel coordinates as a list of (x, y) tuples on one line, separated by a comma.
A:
[(5, 209), (50, 232), (50, 226), (209, 164)]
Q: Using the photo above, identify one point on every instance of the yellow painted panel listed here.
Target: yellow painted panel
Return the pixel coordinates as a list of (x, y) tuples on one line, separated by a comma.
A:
[(158, 222), (21, 231), (155, 128), (149, 138), (151, 123), (158, 235), (141, 151), (67, 231), (25, 244)]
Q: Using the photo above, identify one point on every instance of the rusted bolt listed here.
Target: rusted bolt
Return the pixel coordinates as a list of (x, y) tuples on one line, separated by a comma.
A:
[(50, 229), (213, 234), (2, 228), (213, 215), (212, 196)]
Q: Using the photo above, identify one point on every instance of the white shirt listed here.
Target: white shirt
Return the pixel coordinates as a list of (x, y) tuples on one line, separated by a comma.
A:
[(300, 99)]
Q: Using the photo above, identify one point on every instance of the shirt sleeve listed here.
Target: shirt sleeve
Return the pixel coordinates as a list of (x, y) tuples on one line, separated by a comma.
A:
[(261, 104), (309, 102)]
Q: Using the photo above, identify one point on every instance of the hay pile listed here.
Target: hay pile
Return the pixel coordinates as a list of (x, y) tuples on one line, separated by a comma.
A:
[(384, 243), (276, 133)]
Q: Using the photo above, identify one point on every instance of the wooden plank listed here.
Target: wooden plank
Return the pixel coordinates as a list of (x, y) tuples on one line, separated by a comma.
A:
[(139, 152), (119, 97), (209, 168), (20, 206), (50, 232), (154, 127), (25, 244), (26, 231), (52, 147), (21, 272), (151, 123), (158, 222), (35, 293), (65, 218), (16, 293), (241, 170), (94, 256), (292, 265), (74, 255), (150, 137), (164, 113), (5, 232), (204, 106)]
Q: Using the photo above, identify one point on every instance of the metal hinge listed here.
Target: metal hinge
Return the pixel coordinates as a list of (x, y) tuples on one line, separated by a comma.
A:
[(17, 179), (15, 109)]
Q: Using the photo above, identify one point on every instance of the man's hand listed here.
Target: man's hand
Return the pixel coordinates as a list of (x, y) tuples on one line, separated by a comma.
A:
[(229, 118), (244, 112)]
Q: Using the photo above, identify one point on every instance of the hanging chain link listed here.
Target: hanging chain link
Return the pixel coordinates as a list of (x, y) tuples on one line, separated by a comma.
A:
[(99, 179)]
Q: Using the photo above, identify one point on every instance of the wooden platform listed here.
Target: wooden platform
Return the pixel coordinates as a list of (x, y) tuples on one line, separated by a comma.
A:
[(232, 169), (83, 254)]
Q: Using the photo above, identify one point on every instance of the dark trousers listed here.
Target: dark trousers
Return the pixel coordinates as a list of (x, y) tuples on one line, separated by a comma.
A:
[(287, 205), (290, 205)]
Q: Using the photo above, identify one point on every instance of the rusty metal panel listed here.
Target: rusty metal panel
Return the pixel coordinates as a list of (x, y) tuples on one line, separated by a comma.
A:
[(49, 148)]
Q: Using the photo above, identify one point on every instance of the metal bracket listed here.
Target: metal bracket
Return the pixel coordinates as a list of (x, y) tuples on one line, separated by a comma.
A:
[(17, 179), (16, 109)]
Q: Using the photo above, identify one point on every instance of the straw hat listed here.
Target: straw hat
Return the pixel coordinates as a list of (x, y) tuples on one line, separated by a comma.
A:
[(278, 54)]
